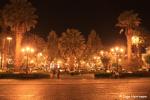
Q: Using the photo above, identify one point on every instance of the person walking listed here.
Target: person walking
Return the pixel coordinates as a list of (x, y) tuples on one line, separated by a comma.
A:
[(58, 73), (52, 70)]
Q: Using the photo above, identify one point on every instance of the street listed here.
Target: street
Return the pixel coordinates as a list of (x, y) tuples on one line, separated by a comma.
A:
[(75, 89)]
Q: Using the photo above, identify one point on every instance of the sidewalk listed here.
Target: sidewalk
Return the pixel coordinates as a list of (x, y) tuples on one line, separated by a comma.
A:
[(80, 76), (71, 81)]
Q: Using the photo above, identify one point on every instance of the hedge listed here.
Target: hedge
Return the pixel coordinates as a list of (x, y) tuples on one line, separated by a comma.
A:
[(24, 76), (135, 74), (123, 75), (103, 75)]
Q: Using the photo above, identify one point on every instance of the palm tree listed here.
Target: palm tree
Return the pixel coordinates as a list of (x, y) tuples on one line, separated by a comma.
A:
[(20, 16), (52, 46), (128, 21), (94, 43), (71, 46), (4, 32)]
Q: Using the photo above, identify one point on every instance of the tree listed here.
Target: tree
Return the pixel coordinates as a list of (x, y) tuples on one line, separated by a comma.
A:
[(39, 45), (20, 16), (147, 59), (106, 61), (138, 41), (94, 42), (128, 21), (71, 46), (52, 46), (93, 45), (144, 36), (36, 42), (4, 33)]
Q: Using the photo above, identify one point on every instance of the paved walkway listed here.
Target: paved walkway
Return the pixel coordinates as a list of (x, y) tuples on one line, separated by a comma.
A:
[(75, 89)]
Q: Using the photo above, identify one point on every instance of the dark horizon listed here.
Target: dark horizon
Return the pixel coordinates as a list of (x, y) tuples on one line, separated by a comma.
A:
[(85, 16)]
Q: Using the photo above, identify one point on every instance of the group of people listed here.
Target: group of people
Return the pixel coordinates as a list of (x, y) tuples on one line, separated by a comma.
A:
[(54, 71)]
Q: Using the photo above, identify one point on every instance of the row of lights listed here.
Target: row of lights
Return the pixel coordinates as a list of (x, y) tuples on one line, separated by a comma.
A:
[(117, 49), (135, 40), (28, 50)]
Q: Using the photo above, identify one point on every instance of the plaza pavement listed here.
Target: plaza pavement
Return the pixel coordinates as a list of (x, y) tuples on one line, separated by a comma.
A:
[(75, 89)]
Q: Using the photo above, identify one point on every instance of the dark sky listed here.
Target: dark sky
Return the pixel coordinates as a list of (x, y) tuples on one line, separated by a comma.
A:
[(86, 15)]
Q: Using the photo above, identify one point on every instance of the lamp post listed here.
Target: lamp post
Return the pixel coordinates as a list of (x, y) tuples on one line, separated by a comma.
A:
[(38, 59), (27, 51), (1, 59), (117, 51), (9, 40)]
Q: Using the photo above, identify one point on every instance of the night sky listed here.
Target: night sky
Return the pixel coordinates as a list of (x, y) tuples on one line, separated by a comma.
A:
[(86, 15)]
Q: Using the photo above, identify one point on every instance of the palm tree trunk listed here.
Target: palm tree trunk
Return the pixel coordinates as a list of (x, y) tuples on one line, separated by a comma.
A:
[(71, 63), (129, 45), (3, 56), (18, 50), (4, 45)]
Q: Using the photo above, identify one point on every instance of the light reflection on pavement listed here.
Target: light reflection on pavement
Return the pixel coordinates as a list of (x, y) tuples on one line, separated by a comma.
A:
[(84, 89)]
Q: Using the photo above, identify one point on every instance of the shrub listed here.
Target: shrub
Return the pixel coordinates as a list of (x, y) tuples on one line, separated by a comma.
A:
[(135, 64), (23, 76), (10, 68), (123, 75), (106, 61), (103, 75), (74, 73), (135, 74), (147, 59)]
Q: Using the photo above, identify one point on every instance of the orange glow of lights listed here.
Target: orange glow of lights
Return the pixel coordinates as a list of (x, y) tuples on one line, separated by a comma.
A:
[(9, 38)]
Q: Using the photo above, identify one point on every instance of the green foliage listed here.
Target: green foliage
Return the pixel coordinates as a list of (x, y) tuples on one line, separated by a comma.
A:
[(19, 14), (123, 75), (71, 43), (114, 65), (10, 67), (52, 46), (35, 42), (147, 59), (103, 75), (140, 33), (105, 60), (94, 43), (24, 76), (128, 19), (75, 73), (135, 64), (135, 74)]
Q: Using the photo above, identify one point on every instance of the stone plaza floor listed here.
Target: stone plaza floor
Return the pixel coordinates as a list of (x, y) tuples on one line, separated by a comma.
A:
[(75, 89)]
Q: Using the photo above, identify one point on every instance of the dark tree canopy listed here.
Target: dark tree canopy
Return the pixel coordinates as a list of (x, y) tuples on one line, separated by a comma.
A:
[(72, 43), (19, 13)]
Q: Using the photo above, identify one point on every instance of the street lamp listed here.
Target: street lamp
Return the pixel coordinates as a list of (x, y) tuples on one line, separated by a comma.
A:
[(9, 40), (1, 60), (117, 51), (27, 51)]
